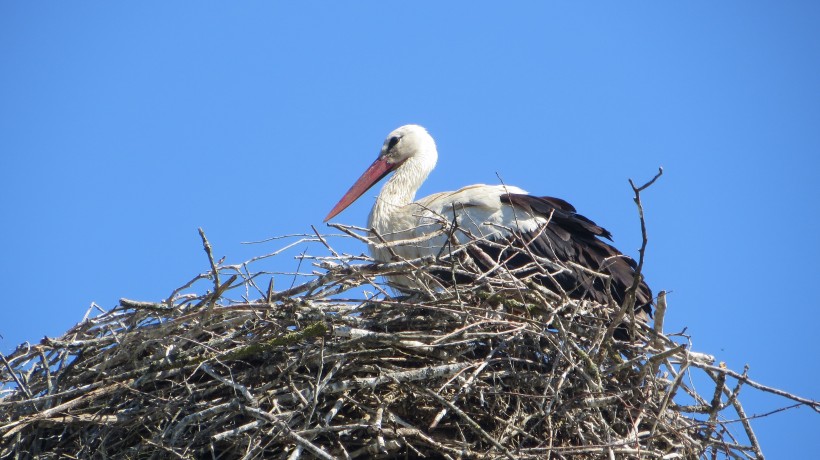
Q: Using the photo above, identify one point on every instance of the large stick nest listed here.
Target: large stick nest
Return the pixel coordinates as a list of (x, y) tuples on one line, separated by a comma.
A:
[(337, 367)]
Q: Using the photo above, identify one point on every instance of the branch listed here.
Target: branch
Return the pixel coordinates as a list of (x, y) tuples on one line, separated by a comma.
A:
[(629, 298)]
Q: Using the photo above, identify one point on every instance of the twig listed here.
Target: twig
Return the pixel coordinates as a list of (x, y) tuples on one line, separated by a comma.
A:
[(207, 246), (499, 366), (470, 422), (814, 405), (629, 300), (13, 374), (660, 315)]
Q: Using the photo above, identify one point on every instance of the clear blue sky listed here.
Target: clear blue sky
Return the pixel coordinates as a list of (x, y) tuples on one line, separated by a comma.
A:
[(125, 126)]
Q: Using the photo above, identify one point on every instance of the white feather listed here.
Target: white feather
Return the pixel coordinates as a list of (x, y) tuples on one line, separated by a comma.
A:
[(422, 226)]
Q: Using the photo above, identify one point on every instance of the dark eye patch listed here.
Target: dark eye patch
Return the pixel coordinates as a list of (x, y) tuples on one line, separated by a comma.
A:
[(392, 142)]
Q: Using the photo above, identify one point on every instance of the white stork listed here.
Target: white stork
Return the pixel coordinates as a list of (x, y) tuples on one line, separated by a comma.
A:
[(549, 227)]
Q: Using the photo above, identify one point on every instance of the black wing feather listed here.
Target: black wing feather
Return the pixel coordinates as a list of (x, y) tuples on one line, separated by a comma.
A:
[(571, 237)]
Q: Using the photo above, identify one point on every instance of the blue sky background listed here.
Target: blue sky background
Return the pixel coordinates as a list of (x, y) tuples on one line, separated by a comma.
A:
[(125, 126)]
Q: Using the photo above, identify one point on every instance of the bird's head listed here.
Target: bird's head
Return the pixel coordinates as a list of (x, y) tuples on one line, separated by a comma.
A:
[(404, 143)]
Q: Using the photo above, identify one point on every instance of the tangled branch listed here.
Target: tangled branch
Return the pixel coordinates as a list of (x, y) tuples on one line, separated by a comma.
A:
[(337, 367)]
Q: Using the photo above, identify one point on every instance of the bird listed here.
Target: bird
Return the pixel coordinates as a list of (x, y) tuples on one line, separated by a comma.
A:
[(540, 237)]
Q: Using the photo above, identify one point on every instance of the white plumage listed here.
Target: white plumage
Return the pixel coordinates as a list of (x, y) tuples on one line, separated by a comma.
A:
[(395, 217), (549, 227), (476, 210)]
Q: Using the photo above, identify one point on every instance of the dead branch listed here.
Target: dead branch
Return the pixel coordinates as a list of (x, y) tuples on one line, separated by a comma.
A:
[(337, 367)]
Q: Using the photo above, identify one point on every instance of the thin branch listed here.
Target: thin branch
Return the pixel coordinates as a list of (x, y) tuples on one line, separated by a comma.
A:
[(339, 367), (207, 246), (628, 305)]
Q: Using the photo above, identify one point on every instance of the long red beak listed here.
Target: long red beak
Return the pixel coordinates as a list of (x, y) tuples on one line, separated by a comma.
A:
[(374, 173)]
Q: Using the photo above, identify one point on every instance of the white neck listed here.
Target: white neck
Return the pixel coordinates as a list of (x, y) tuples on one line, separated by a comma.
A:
[(400, 190)]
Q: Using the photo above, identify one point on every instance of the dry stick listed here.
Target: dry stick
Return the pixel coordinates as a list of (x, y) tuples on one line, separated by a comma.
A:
[(236, 431), (312, 448), (748, 428), (207, 247), (814, 405), (229, 382), (660, 314), (14, 376), (301, 258), (320, 383), (457, 330), (100, 419), (309, 434), (427, 373), (470, 422), (269, 293), (669, 396), (198, 417), (170, 300), (393, 255), (744, 420), (413, 432), (467, 384), (282, 249), (734, 394), (324, 242), (714, 406), (377, 426), (629, 300), (46, 367), (138, 305), (51, 397), (348, 231), (281, 237), (14, 427)]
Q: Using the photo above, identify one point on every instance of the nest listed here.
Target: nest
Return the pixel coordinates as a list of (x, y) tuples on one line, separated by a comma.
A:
[(338, 367)]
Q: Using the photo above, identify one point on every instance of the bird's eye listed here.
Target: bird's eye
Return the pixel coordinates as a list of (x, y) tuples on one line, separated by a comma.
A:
[(392, 142)]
